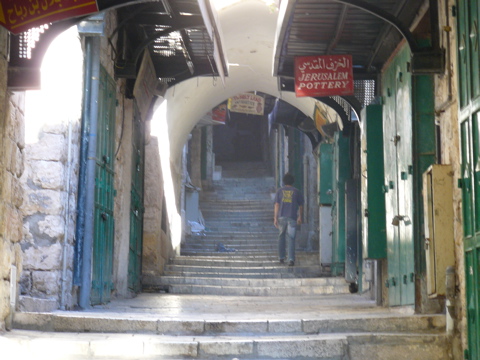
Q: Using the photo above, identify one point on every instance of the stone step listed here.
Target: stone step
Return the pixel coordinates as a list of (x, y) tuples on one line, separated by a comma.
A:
[(245, 234), (222, 290), (239, 282), (232, 246), (237, 274), (134, 323), (231, 240), (230, 261), (264, 260), (352, 346), (299, 271), (206, 252)]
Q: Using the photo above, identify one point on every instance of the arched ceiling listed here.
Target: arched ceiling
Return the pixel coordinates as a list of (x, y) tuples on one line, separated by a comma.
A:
[(191, 47), (248, 36)]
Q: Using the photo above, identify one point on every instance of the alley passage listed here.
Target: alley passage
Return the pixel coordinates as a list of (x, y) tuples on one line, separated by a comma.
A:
[(237, 253), (243, 304)]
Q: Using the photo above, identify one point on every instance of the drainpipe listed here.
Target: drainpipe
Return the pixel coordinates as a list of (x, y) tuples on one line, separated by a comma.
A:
[(86, 274), (91, 29), (67, 218)]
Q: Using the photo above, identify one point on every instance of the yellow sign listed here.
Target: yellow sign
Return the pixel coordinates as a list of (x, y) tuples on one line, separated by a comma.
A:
[(247, 103)]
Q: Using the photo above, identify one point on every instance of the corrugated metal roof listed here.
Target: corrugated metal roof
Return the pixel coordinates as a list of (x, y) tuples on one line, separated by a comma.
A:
[(329, 27)]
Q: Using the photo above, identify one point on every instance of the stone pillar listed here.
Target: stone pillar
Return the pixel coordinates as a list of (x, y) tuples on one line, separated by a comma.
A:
[(157, 248), (12, 143)]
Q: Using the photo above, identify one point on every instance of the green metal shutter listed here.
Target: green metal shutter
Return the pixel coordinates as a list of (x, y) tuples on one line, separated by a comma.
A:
[(469, 87), (102, 284), (398, 180), (376, 246)]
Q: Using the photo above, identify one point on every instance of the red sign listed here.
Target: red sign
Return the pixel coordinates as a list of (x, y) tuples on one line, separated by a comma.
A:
[(20, 15), (328, 75), (219, 113)]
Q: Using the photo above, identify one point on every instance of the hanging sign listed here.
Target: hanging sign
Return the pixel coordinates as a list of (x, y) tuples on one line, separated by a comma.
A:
[(145, 85), (219, 113), (328, 75), (20, 15), (247, 103)]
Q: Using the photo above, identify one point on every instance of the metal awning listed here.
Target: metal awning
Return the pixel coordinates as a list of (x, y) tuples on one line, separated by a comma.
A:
[(369, 30), (180, 36)]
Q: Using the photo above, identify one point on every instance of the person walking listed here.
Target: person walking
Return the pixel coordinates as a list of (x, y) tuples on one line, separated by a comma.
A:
[(287, 213)]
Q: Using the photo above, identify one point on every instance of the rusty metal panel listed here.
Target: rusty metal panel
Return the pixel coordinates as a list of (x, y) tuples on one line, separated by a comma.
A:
[(439, 237)]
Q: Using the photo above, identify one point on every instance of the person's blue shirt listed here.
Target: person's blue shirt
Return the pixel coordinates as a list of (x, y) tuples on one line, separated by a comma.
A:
[(289, 199)]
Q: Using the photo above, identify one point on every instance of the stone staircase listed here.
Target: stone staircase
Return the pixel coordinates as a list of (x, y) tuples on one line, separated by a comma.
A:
[(265, 310), (237, 253)]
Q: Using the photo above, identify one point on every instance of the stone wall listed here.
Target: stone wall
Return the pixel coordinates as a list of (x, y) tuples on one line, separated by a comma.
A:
[(12, 145), (50, 180)]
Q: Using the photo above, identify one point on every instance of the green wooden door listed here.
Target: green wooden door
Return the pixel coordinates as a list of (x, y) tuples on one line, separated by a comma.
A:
[(341, 173), (398, 180), (469, 94), (375, 246), (102, 284), (326, 174), (295, 156), (136, 204)]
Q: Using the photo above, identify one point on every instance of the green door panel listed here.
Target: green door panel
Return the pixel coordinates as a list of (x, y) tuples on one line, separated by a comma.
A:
[(295, 156), (341, 173), (466, 181), (375, 243), (397, 138), (102, 267), (468, 20), (326, 174)]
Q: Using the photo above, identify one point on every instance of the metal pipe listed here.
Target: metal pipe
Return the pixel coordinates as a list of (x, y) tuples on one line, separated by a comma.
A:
[(67, 218), (80, 224), (86, 281)]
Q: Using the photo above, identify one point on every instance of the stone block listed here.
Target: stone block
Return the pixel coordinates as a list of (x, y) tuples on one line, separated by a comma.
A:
[(25, 282), (18, 161), (45, 282), (43, 258), (307, 347), (6, 256), (182, 327), (50, 147), (101, 324), (285, 326), (236, 326), (170, 346), (32, 304), (57, 128), (397, 347), (42, 201), (14, 225), (16, 195), (226, 348), (8, 147), (48, 174), (4, 300), (53, 226), (7, 181)]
